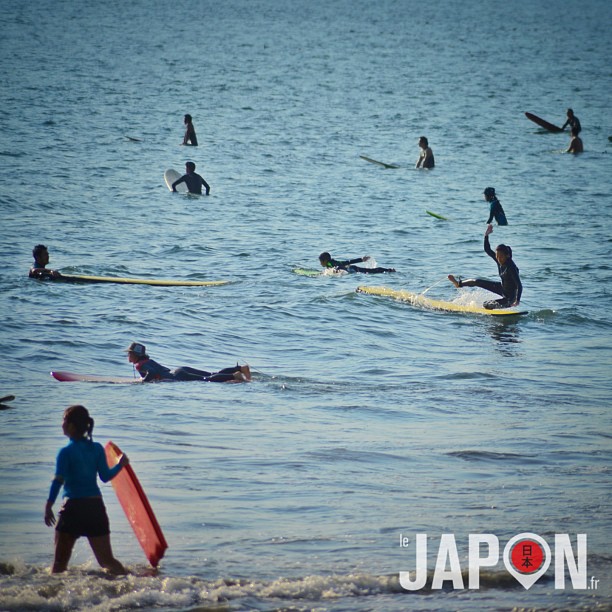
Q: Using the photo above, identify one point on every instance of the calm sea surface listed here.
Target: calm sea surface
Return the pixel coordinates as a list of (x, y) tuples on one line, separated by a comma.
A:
[(368, 419)]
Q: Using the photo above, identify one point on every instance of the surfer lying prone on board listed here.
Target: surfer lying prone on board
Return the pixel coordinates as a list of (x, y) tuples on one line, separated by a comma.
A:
[(83, 512), (193, 180), (151, 371), (41, 259), (510, 287), (327, 261)]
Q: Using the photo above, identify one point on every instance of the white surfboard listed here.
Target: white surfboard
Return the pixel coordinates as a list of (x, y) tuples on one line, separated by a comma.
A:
[(172, 175)]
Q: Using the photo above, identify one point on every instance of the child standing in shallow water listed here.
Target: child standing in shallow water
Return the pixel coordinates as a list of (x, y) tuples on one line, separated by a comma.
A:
[(83, 512)]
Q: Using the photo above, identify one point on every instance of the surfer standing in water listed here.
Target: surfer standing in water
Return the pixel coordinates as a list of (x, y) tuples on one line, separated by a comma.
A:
[(426, 158), (328, 262), (496, 212), (193, 180), (190, 138), (41, 259), (575, 145), (510, 287), (151, 371), (83, 512), (572, 121)]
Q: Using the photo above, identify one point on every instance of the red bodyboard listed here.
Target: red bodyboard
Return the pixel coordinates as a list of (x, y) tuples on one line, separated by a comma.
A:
[(137, 508)]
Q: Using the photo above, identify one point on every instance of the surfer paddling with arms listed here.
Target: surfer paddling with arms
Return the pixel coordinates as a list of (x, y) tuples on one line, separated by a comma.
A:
[(347, 265), (41, 259), (510, 287), (190, 138), (426, 158), (193, 180), (151, 371), (83, 512)]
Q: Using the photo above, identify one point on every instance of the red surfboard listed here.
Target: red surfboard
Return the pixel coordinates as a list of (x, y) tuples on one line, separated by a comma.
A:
[(543, 123), (137, 508)]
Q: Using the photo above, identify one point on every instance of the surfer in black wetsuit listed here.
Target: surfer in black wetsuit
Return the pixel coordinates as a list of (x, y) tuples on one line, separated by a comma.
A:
[(193, 180), (510, 287), (327, 261), (572, 121), (41, 259), (496, 212), (426, 158), (190, 138), (151, 371)]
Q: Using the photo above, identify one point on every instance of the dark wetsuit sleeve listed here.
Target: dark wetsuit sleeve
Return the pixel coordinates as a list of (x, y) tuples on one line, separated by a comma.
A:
[(179, 181), (335, 263), (205, 185), (513, 281), (491, 213), (488, 250)]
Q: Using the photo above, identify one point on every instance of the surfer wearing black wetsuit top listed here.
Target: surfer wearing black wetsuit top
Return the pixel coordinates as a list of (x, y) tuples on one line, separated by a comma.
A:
[(327, 261), (510, 287), (572, 121), (496, 212), (41, 259), (190, 137), (151, 371), (193, 180), (426, 158)]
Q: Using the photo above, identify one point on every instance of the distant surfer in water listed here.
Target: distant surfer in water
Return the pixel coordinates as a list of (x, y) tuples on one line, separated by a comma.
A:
[(151, 371), (426, 158), (496, 212), (575, 145), (572, 121), (41, 259), (193, 180), (510, 287), (328, 262), (83, 512), (190, 138)]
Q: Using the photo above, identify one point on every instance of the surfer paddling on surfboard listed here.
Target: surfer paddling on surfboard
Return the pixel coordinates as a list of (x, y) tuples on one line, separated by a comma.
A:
[(41, 259), (328, 262), (193, 180), (83, 512), (151, 371), (510, 287)]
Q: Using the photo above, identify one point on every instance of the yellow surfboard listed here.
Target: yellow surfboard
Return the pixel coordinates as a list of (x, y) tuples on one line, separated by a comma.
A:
[(417, 299)]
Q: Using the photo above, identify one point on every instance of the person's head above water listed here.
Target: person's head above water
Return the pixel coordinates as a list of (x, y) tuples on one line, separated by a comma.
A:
[(190, 167), (503, 253), (489, 193), (188, 119), (324, 259), (423, 142), (41, 255)]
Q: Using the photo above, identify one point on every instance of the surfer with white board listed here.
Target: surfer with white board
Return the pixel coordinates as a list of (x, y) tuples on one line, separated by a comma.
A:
[(41, 259), (510, 287), (151, 371), (347, 265), (83, 512), (193, 180)]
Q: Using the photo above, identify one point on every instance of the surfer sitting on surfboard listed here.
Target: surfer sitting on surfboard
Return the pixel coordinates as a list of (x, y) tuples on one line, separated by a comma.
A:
[(41, 259), (510, 287), (347, 265), (572, 121), (83, 512), (151, 371), (426, 158), (496, 212), (193, 180)]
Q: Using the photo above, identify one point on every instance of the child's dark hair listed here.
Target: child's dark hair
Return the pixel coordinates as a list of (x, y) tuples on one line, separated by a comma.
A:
[(504, 248), (37, 250), (79, 417)]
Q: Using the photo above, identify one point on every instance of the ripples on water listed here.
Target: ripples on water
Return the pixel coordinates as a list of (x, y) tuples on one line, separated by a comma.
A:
[(367, 418)]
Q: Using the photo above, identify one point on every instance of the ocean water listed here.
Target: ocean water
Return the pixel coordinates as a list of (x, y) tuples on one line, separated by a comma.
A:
[(368, 420)]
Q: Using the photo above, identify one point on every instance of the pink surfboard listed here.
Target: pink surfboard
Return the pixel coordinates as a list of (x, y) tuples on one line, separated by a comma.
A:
[(137, 508)]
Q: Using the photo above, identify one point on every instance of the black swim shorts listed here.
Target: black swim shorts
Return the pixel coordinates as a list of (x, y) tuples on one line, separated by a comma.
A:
[(83, 517)]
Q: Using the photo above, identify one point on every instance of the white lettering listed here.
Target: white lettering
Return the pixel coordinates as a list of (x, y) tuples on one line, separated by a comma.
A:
[(447, 550), (564, 551), (476, 561), (421, 566)]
